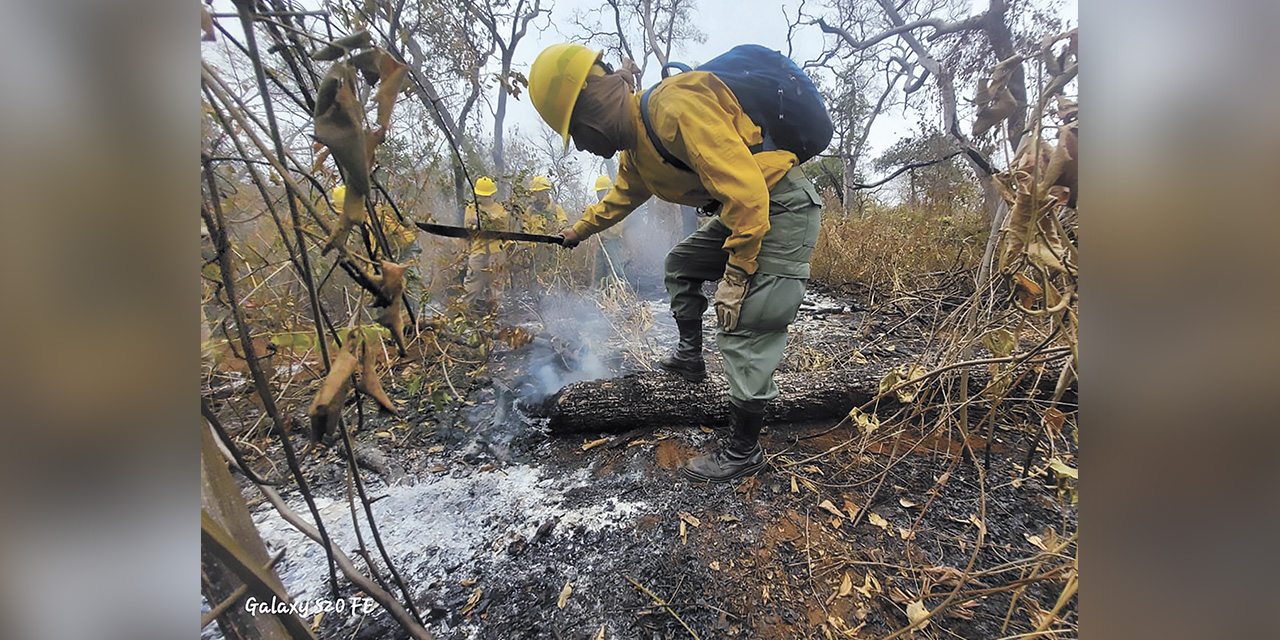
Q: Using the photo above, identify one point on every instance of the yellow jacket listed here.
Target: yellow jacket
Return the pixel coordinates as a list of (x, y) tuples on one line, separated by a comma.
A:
[(699, 122), (493, 217), (398, 235), (550, 220)]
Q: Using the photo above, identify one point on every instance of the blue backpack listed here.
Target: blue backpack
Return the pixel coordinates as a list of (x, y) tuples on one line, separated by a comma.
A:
[(777, 96)]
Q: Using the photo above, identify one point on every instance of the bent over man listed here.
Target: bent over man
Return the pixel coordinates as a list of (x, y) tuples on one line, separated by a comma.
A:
[(758, 246)]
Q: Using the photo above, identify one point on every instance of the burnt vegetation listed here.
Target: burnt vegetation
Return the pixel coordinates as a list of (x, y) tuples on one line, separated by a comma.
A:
[(512, 474)]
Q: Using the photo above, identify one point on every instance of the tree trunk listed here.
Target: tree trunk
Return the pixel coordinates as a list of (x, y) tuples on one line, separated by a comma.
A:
[(653, 399), (659, 399), (499, 159), (220, 497)]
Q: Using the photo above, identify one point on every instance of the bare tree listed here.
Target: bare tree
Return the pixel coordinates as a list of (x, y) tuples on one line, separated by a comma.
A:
[(505, 28), (643, 31)]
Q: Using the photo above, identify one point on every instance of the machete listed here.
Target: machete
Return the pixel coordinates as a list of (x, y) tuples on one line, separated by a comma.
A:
[(464, 232)]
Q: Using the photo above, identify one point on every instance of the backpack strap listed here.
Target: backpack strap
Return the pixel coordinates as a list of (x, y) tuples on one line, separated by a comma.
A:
[(653, 137)]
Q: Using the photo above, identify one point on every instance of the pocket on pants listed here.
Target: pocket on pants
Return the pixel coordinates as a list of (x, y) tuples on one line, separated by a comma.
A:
[(771, 302)]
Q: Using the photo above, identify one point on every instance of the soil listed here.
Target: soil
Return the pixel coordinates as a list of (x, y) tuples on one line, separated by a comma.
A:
[(491, 520)]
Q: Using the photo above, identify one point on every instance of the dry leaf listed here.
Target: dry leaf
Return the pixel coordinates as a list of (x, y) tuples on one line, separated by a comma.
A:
[(564, 594), (1062, 469), (851, 509), (870, 586), (867, 423), (906, 534), (1037, 541), (437, 469), (728, 518), (982, 528), (1000, 342), (906, 503), (368, 382), (916, 612), (688, 517), (831, 508), (471, 602), (707, 429), (468, 582), (1053, 420), (684, 533), (846, 585), (436, 449), (794, 488), (875, 519), (715, 565), (600, 634), (325, 411), (587, 446)]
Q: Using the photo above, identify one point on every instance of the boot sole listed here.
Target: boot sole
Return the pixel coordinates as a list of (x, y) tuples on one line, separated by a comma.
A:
[(683, 373), (697, 477)]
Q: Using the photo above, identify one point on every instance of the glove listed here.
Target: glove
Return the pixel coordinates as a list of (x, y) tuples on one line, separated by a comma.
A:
[(571, 238), (729, 295)]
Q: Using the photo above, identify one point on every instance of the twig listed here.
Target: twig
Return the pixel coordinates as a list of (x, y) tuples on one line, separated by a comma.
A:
[(662, 603)]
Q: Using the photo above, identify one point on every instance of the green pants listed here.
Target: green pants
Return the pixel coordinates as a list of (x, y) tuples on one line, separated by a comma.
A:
[(753, 350)]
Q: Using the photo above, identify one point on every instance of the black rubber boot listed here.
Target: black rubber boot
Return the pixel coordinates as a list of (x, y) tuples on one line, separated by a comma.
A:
[(687, 361), (740, 458)]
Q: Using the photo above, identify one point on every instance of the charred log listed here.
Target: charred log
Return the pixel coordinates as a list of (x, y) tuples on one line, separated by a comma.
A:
[(648, 400), (658, 399)]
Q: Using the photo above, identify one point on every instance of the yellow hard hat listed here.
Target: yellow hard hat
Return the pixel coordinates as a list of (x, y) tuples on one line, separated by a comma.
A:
[(339, 194), (539, 183), (603, 183), (555, 80), (485, 186)]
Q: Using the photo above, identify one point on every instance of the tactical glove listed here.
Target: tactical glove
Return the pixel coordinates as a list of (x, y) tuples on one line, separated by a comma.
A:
[(729, 295)]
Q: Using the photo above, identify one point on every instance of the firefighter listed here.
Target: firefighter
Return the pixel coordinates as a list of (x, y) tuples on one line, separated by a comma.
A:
[(609, 258), (758, 246), (487, 259), (541, 217)]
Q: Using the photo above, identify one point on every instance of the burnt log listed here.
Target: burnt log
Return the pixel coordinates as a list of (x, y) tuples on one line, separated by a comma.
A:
[(652, 399), (658, 399)]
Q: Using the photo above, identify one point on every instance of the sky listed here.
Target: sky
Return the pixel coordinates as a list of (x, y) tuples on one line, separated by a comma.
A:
[(726, 23)]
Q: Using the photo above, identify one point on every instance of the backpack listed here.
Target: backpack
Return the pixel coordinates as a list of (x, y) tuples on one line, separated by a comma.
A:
[(777, 96)]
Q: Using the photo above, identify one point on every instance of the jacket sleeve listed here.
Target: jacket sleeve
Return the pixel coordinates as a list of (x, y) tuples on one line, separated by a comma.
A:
[(627, 193), (727, 170)]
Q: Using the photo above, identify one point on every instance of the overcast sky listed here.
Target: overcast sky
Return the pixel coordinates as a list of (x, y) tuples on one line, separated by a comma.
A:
[(726, 23)]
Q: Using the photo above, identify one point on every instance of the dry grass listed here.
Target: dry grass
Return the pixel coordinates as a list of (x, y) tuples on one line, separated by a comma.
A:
[(895, 249)]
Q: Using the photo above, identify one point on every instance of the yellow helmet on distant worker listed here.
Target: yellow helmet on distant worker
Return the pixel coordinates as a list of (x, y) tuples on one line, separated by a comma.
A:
[(485, 186), (339, 195), (539, 183), (603, 183), (555, 80)]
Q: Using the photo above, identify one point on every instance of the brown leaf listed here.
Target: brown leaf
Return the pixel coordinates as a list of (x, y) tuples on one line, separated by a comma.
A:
[(564, 594), (368, 382), (325, 410), (830, 508), (688, 517), (846, 585), (916, 612)]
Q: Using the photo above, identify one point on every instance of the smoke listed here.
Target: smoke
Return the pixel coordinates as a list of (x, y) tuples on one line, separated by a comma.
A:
[(572, 346)]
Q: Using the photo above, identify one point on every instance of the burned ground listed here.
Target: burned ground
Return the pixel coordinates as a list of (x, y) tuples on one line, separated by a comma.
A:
[(502, 530)]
